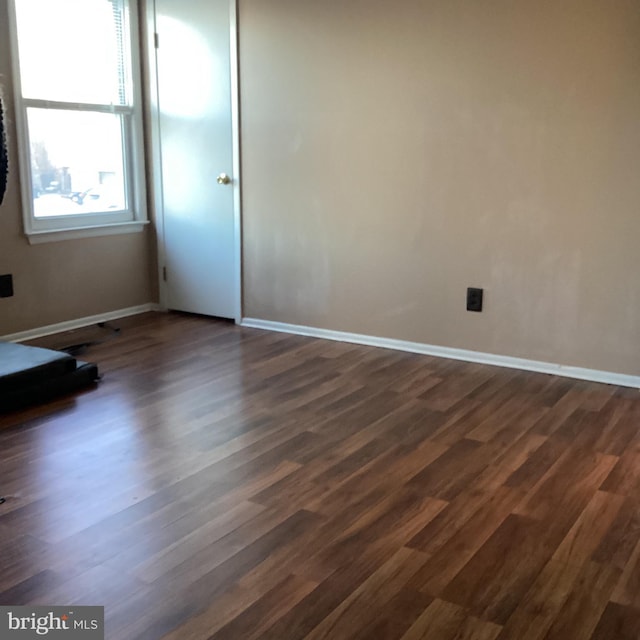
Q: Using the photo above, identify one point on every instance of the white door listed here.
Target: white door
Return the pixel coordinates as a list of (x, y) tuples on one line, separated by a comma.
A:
[(196, 152)]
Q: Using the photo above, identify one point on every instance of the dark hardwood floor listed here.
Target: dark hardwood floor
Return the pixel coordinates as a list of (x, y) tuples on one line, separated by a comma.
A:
[(231, 483)]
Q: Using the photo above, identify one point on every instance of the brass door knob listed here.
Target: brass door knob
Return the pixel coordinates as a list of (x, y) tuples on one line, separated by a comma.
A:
[(223, 178)]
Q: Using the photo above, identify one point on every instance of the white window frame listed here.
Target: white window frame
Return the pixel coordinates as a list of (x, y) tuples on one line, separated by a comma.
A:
[(70, 226)]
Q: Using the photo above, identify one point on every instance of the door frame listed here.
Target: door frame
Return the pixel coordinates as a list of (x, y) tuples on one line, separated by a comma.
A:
[(154, 151)]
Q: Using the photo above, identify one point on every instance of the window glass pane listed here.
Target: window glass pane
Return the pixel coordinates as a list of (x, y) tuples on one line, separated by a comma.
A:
[(51, 33), (77, 162)]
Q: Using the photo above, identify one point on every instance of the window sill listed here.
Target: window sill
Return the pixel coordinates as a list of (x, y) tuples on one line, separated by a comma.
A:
[(55, 235)]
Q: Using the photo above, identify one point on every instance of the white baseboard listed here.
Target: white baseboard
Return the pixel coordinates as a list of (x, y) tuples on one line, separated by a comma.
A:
[(79, 323), (579, 373)]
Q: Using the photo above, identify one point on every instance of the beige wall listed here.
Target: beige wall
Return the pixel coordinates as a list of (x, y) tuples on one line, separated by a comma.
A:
[(395, 153), (61, 281)]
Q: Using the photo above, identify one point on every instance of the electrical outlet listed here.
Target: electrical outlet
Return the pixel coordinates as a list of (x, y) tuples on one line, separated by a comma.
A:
[(6, 286), (474, 299)]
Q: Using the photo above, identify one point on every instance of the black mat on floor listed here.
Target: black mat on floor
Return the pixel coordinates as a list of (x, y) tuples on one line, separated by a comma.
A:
[(31, 375)]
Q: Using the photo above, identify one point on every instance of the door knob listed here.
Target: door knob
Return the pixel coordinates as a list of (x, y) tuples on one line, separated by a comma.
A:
[(223, 178)]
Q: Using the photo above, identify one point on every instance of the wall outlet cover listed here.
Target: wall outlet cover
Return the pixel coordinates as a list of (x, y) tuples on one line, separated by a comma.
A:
[(474, 299), (6, 285)]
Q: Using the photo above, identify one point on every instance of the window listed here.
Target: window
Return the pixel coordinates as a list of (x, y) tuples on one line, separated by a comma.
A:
[(78, 114)]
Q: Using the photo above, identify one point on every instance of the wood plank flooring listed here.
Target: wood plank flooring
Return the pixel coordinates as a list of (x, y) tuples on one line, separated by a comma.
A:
[(229, 483)]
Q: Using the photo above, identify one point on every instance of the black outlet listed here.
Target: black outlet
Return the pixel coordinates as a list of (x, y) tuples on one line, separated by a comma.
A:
[(474, 299), (6, 286)]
